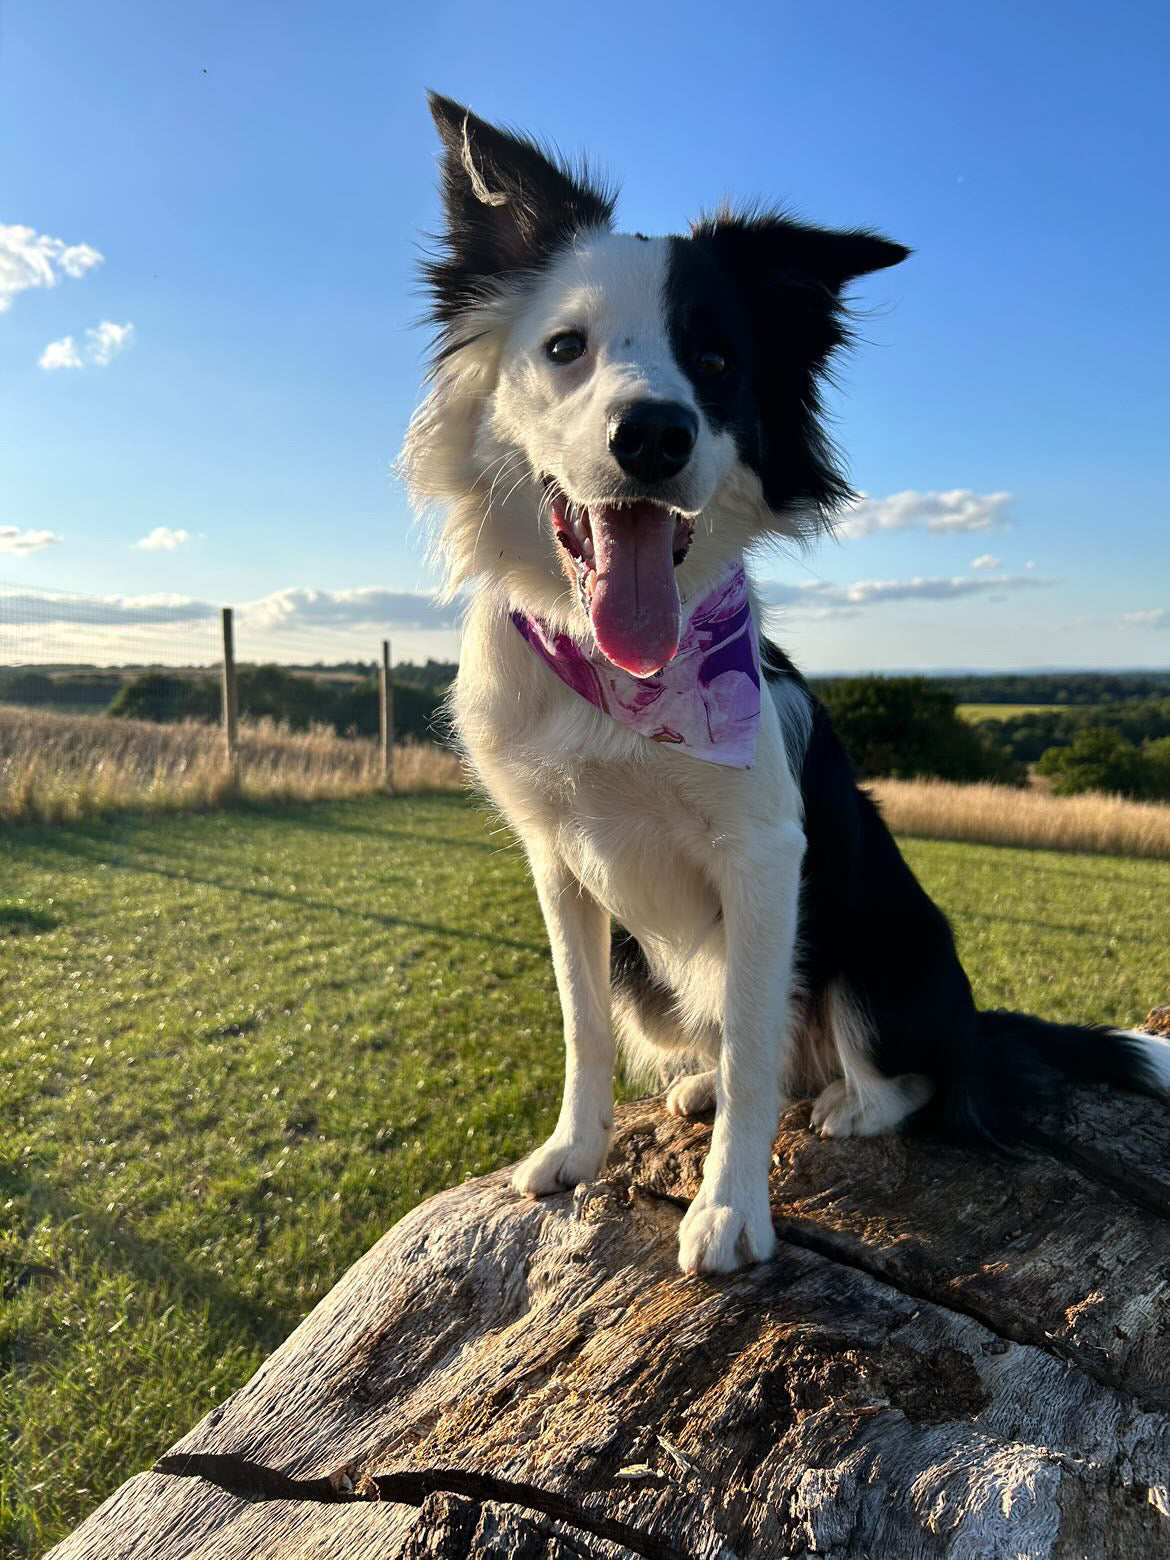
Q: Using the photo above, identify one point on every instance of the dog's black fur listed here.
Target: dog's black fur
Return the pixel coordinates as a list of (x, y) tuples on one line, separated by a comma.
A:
[(767, 293), (771, 288), (864, 917)]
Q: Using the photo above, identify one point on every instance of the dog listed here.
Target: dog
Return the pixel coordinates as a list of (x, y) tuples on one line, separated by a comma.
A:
[(612, 421)]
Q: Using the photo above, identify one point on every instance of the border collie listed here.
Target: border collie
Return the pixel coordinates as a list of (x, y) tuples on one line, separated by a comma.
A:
[(612, 421)]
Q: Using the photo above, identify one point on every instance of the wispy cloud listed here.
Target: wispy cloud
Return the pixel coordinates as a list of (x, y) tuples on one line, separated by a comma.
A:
[(59, 609), (302, 607), (986, 561), (1152, 617), (61, 354), (105, 341), (819, 598), (13, 540), (31, 259), (163, 539), (961, 509), (102, 343), (297, 608)]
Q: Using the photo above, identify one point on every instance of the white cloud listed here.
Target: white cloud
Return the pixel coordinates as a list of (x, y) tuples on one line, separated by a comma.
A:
[(1152, 617), (301, 607), (14, 541), (60, 354), (296, 626), (819, 598), (32, 259), (58, 609), (102, 342), (961, 509), (986, 561), (105, 341), (163, 539)]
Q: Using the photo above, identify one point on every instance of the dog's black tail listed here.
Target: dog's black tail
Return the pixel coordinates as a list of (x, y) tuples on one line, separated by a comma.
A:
[(1024, 1064)]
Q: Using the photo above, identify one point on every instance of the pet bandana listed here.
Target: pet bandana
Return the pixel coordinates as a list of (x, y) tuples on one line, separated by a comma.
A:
[(705, 701)]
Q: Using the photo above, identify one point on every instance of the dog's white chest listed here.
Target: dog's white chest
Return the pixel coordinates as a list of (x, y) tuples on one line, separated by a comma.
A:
[(643, 828), (640, 850)]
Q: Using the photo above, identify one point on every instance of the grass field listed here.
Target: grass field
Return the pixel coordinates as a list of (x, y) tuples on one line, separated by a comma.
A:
[(1005, 711), (236, 1045)]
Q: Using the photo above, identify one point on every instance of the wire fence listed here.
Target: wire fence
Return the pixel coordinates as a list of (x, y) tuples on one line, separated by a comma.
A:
[(161, 658), (74, 653), (112, 701)]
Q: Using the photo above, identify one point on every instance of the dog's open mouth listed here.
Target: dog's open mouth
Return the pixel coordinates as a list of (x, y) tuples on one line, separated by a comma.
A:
[(624, 557)]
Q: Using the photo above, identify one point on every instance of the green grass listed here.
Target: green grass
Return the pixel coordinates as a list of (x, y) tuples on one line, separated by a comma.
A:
[(236, 1046), (975, 712)]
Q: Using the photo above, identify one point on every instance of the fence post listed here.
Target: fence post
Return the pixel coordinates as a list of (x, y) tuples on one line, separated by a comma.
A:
[(231, 714), (386, 718)]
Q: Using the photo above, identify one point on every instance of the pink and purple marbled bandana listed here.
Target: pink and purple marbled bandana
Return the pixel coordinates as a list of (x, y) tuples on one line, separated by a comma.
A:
[(705, 701)]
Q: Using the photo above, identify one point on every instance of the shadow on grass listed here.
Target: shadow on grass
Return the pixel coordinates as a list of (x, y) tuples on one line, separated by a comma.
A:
[(100, 1242), (1063, 861), (16, 916), (93, 839), (99, 845), (1097, 930)]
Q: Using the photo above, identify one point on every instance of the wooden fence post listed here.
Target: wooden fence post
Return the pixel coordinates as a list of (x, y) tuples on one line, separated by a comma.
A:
[(231, 713), (386, 718)]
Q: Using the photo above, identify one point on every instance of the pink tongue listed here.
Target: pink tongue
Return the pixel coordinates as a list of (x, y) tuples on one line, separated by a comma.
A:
[(635, 606)]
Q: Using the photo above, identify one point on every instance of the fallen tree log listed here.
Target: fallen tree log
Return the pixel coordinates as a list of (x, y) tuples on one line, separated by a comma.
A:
[(950, 1356)]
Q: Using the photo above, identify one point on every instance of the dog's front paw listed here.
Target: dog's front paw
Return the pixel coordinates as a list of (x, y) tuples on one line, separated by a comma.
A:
[(561, 1163), (719, 1237)]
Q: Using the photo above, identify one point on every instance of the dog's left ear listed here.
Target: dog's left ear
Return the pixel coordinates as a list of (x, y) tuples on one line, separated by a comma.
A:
[(508, 204), (791, 278), (837, 258), (771, 250)]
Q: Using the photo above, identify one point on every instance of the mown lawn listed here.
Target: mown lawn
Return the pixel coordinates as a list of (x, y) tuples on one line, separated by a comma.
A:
[(236, 1046)]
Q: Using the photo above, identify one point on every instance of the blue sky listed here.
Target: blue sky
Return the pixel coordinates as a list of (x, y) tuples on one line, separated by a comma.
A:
[(255, 179)]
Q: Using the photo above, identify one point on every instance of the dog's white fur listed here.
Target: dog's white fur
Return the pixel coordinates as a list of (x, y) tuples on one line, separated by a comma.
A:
[(701, 863)]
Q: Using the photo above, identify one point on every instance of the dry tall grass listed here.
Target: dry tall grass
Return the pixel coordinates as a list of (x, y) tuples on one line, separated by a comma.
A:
[(999, 815), (55, 768)]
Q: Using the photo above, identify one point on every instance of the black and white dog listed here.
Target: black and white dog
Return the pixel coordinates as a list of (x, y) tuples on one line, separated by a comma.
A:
[(613, 421)]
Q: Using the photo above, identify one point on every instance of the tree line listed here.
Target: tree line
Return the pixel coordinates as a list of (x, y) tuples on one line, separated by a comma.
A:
[(1112, 732), (299, 701), (908, 727), (1056, 687)]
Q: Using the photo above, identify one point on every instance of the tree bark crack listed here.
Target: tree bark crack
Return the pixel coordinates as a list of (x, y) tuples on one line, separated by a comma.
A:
[(1125, 1181), (1153, 1398), (410, 1487)]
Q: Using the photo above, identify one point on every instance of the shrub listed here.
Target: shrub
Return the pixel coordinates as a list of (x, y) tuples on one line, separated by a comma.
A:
[(161, 696), (274, 693), (1100, 759), (905, 727), (1157, 757)]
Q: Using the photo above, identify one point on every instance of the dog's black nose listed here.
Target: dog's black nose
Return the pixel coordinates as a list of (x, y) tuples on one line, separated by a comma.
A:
[(652, 440)]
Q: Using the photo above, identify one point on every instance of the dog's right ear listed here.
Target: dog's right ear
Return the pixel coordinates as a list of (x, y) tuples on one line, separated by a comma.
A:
[(508, 204)]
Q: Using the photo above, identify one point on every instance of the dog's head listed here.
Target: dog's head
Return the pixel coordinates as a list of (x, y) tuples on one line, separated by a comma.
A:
[(614, 416)]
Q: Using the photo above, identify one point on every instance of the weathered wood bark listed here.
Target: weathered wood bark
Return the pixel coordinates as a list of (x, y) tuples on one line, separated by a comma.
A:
[(949, 1357)]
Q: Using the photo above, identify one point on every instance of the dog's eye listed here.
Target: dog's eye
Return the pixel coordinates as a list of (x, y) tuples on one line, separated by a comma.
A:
[(565, 347), (711, 364)]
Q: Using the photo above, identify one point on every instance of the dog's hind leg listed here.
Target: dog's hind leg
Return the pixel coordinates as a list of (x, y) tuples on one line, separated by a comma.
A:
[(863, 1102), (691, 1095)]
